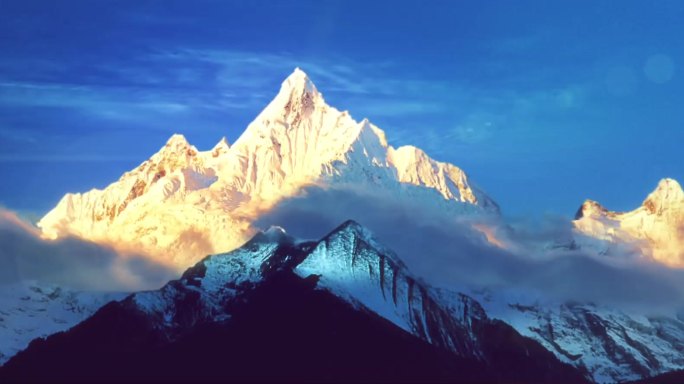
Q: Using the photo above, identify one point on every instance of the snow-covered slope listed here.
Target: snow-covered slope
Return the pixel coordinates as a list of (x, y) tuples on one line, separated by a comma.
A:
[(31, 310), (611, 345), (654, 230), (296, 298), (183, 203), (605, 344), (348, 262)]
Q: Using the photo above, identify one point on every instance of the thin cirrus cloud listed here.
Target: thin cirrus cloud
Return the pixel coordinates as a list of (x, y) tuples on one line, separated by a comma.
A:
[(104, 101), (189, 81), (58, 114)]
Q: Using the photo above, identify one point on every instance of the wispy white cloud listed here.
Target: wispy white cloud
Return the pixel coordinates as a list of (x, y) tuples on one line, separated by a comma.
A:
[(192, 82), (340, 74), (108, 101), (44, 158)]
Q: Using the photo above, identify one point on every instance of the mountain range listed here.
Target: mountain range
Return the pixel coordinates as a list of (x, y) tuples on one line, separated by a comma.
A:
[(182, 204), (342, 307)]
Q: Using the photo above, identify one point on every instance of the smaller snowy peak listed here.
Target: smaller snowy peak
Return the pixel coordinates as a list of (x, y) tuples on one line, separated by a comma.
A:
[(353, 230), (409, 152), (652, 230), (177, 140), (274, 234), (590, 208), (177, 146), (353, 227), (220, 148), (668, 195), (415, 167), (379, 133)]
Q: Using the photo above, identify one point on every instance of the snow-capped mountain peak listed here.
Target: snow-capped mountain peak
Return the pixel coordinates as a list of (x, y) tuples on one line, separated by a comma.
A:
[(653, 230), (299, 81), (221, 147), (183, 203), (177, 140), (591, 208), (668, 196), (296, 100), (348, 263), (175, 149), (274, 234)]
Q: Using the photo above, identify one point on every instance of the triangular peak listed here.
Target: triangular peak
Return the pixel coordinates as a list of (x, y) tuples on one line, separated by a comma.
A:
[(669, 188), (223, 143), (177, 139), (298, 84), (221, 147), (177, 146), (177, 143), (293, 107), (590, 208), (668, 194)]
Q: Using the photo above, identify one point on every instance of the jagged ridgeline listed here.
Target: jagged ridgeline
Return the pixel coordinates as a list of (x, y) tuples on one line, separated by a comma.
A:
[(183, 204)]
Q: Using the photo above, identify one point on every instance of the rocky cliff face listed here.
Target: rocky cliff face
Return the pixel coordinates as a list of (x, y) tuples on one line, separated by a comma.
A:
[(609, 345)]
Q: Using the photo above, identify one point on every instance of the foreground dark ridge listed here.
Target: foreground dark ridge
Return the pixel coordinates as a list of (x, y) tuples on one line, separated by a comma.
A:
[(260, 314)]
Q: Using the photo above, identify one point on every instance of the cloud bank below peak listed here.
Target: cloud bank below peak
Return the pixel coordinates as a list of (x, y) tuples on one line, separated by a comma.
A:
[(71, 262), (450, 252)]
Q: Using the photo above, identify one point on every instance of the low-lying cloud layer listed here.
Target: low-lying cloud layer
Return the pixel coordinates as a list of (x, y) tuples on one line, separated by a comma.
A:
[(448, 251), (444, 250), (71, 262)]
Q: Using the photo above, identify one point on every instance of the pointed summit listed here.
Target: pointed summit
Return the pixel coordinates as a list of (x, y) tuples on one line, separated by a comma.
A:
[(590, 208), (297, 98), (175, 145), (299, 80), (669, 188), (351, 226), (177, 140), (291, 109), (667, 195), (273, 234), (220, 148), (174, 151)]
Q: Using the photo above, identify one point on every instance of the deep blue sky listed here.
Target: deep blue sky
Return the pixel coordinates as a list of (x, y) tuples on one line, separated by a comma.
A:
[(543, 103)]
